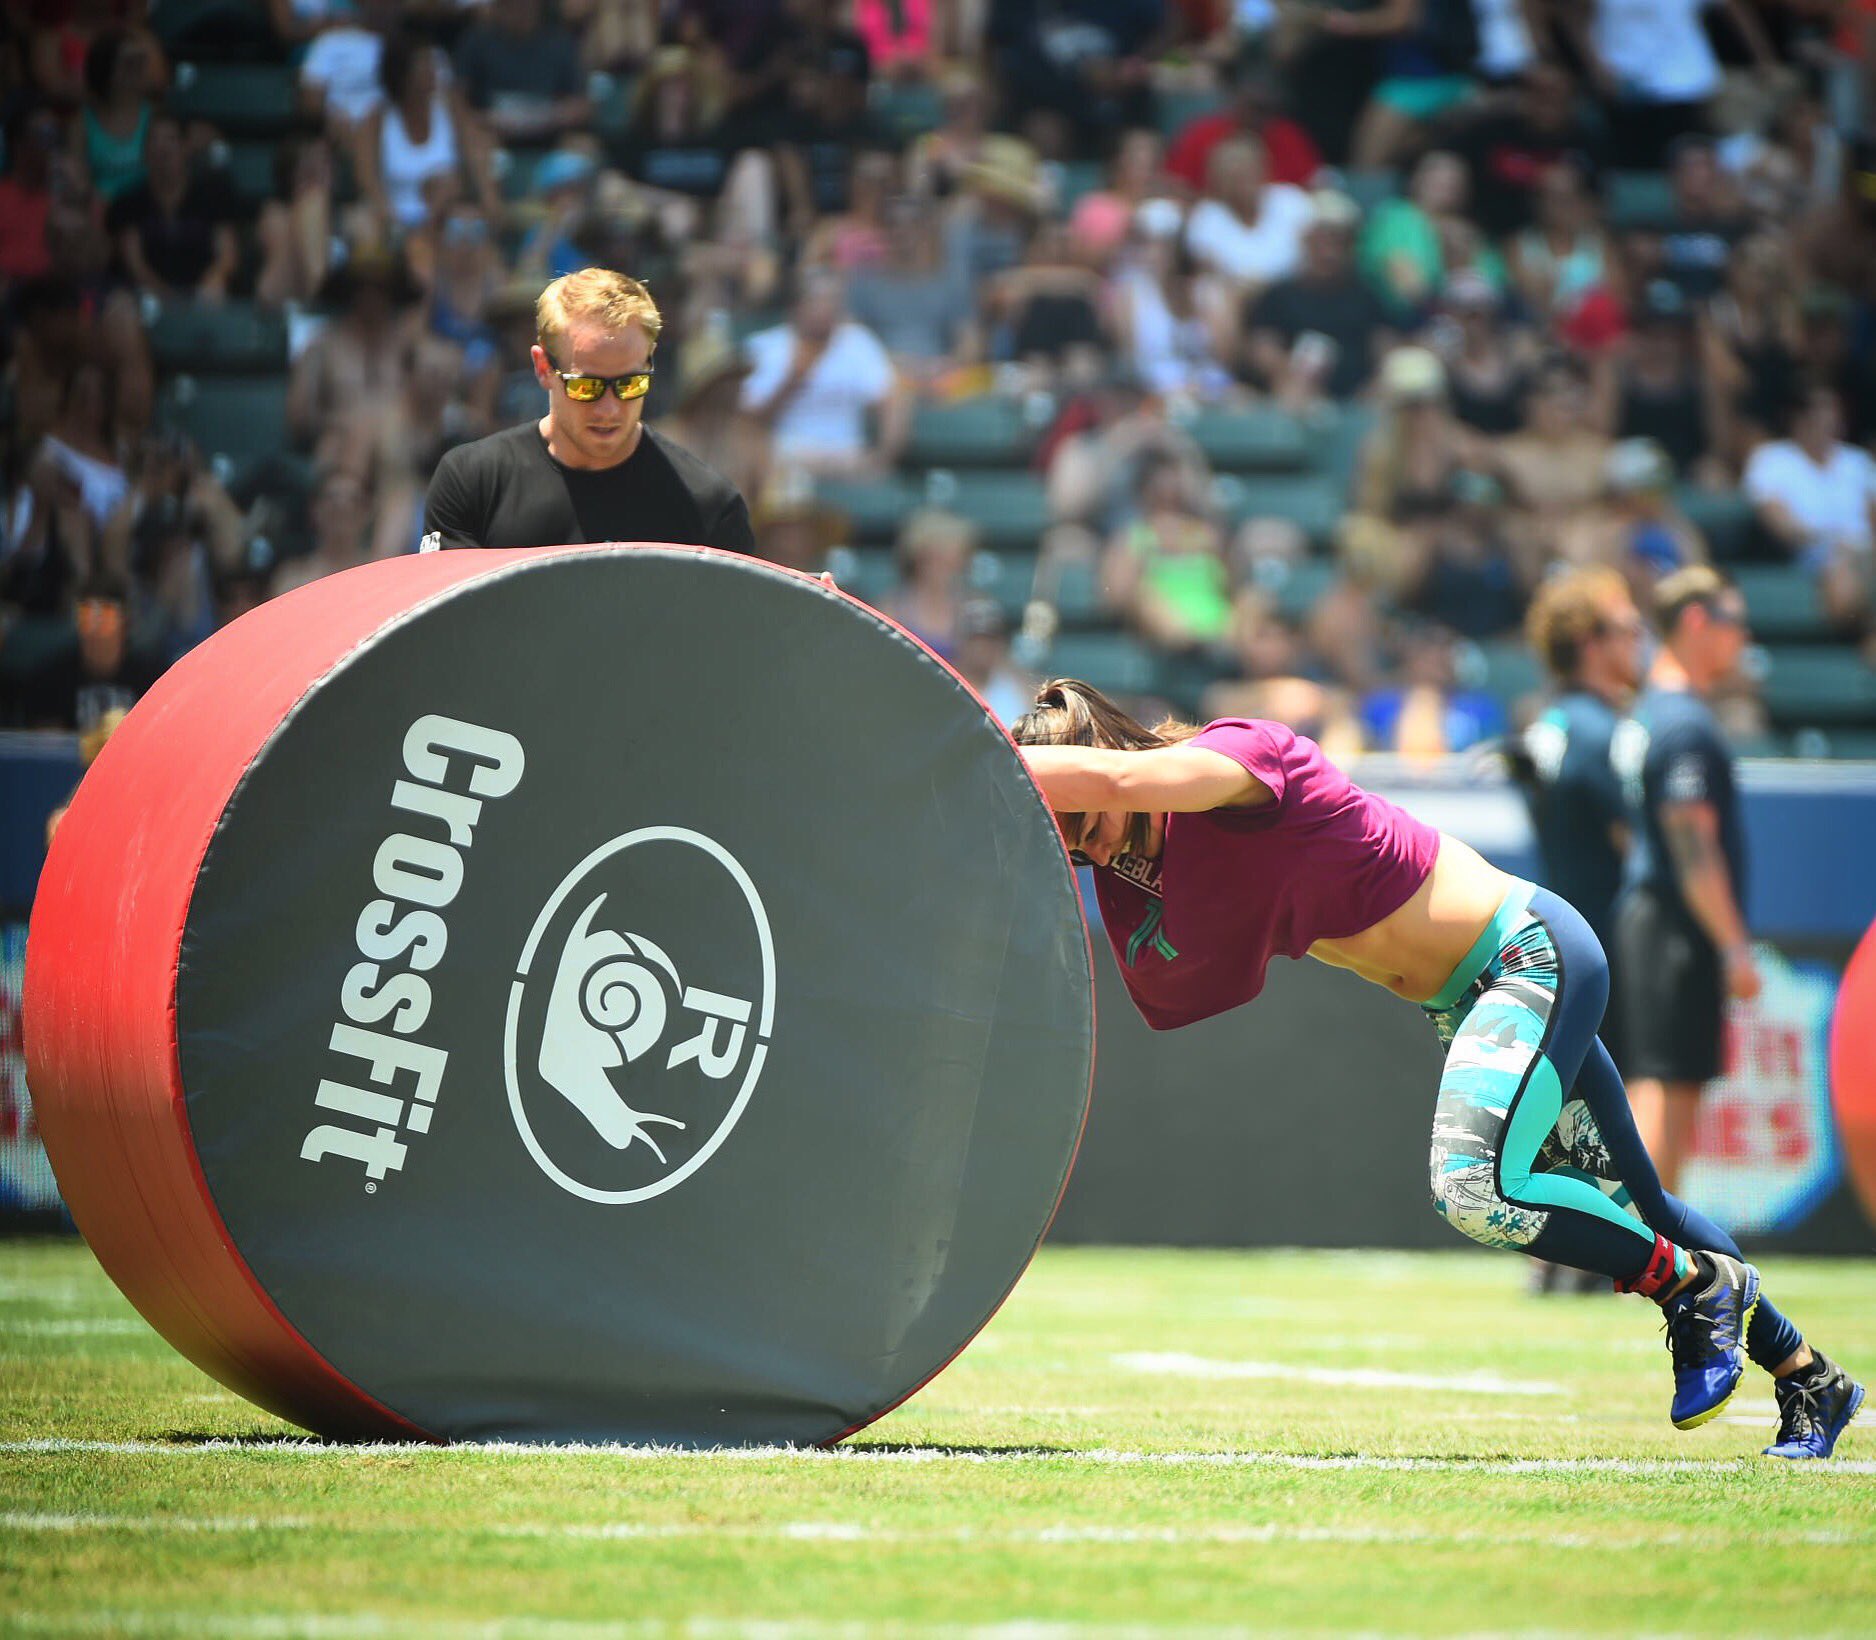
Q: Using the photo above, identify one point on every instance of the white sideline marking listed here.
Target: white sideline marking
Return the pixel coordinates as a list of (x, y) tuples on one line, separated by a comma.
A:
[(75, 1329), (24, 1521), (817, 1531), (374, 1626), (1197, 1366), (1101, 1457), (67, 1295)]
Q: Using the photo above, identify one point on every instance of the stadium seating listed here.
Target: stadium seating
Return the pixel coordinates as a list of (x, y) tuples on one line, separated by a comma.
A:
[(1313, 501), (1073, 588), (217, 30), (234, 420), (869, 574), (238, 99), (230, 337), (1371, 188), (874, 507), (1504, 669), (1782, 602), (1010, 509), (1077, 177), (1250, 441), (907, 108), (1111, 661), (1724, 517), (1174, 110), (1637, 199), (1300, 585), (248, 169), (979, 432), (1824, 686)]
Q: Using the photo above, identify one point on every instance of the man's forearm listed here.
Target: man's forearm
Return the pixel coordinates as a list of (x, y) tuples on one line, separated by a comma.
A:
[(1706, 884)]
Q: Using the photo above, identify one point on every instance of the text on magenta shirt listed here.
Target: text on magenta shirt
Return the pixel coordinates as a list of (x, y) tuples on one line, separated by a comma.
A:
[(1324, 860)]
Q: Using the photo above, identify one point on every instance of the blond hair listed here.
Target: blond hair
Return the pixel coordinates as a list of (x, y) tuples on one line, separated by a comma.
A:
[(596, 296), (1068, 712), (1677, 593), (1566, 612)]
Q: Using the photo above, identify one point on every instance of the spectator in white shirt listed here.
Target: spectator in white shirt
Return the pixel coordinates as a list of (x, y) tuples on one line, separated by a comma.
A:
[(1245, 235), (1247, 229), (339, 82), (826, 387), (1656, 61), (1816, 496)]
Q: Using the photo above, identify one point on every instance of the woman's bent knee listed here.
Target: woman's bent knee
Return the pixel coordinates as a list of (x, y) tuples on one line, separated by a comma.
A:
[(1466, 1196)]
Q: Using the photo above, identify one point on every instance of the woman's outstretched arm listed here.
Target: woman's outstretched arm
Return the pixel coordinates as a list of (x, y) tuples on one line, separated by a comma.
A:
[(1163, 780)]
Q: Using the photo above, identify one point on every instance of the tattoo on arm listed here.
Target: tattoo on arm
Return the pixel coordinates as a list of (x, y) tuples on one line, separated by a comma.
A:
[(1692, 846)]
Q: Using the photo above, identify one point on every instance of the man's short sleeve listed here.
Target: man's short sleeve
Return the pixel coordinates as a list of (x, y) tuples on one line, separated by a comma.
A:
[(730, 529), (1688, 766), (1254, 746), (452, 514), (1685, 778)]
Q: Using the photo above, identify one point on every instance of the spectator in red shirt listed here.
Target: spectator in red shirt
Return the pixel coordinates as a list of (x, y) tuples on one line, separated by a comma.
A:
[(34, 140), (1290, 153)]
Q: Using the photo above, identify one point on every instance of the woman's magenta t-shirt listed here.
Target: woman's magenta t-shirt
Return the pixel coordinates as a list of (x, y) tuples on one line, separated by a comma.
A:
[(1324, 860)]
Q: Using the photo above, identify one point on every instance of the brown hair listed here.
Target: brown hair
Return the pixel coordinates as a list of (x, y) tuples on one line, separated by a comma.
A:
[(598, 296), (1677, 593), (1566, 612), (1068, 712)]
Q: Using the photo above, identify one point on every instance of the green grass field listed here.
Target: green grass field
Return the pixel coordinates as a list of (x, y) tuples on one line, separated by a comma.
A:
[(1142, 1443)]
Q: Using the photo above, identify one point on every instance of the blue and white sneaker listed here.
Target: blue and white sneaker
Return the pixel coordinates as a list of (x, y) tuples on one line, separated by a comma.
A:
[(1813, 1408), (1706, 1329)]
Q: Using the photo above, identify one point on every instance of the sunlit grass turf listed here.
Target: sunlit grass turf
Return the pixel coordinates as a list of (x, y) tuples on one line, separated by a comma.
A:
[(1068, 1487)]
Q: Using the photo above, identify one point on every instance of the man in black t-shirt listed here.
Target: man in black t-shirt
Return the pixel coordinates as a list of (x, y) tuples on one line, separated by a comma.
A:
[(590, 469), (1320, 331), (1681, 926), (174, 233), (521, 71), (1508, 150)]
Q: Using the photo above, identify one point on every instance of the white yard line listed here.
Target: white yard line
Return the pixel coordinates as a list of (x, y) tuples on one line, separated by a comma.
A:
[(1098, 1457), (377, 1626), (1174, 1365), (75, 1329), (843, 1532)]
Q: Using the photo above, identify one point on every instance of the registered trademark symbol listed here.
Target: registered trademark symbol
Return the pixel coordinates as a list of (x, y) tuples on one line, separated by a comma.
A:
[(371, 1190)]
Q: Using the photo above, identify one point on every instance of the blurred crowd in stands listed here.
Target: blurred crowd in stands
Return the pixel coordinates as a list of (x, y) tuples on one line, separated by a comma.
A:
[(1282, 346)]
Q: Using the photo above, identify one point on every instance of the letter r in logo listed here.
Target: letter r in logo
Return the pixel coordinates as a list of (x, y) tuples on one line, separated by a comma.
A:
[(715, 1062)]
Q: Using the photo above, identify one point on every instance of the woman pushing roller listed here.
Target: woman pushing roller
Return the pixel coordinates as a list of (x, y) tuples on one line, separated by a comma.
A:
[(1219, 847)]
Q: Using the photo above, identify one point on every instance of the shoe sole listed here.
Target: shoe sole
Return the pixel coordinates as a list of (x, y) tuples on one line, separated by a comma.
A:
[(1856, 1406), (1712, 1412)]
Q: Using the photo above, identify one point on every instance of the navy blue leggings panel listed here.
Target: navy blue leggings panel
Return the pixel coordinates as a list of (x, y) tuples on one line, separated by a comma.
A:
[(1583, 1066)]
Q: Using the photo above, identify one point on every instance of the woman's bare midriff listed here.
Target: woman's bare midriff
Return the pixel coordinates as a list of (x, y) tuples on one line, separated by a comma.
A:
[(1414, 950)]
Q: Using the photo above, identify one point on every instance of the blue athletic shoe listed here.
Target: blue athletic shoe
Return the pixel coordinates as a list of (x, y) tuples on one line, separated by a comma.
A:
[(1813, 1408), (1706, 1329)]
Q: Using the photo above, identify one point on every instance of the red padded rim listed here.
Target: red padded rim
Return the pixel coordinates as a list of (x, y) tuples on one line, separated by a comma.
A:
[(1853, 1069), (99, 1008)]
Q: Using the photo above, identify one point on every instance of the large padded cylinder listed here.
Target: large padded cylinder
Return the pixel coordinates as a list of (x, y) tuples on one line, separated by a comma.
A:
[(1853, 1070), (626, 993)]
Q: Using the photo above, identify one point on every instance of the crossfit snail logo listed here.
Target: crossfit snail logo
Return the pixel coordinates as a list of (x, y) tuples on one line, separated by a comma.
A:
[(631, 1055)]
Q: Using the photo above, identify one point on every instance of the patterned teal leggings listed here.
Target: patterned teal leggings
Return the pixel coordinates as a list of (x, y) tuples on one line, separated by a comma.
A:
[(1533, 1143)]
